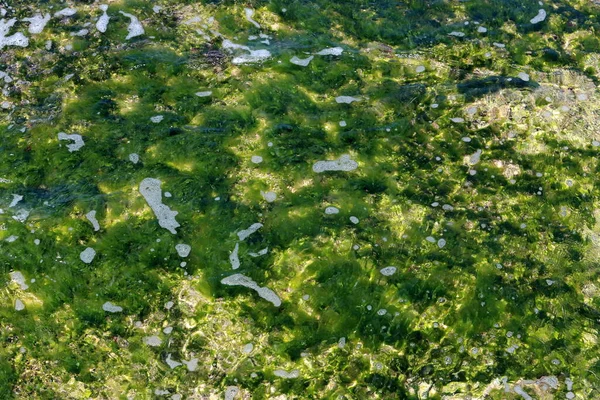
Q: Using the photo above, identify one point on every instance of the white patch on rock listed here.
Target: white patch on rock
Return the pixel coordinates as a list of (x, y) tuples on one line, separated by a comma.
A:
[(18, 39), (134, 158), (102, 23), (37, 23), (541, 15), (242, 280), (344, 163), (331, 51), (110, 307), (204, 94), (243, 234), (234, 259), (87, 255), (16, 199), (135, 27), (269, 196), (172, 363), (249, 13), (18, 278), (157, 118), (287, 375), (332, 210), (388, 271), (150, 190), (260, 253), (76, 138), (65, 12), (346, 99), (153, 341), (91, 216), (303, 62), (183, 250), (19, 306)]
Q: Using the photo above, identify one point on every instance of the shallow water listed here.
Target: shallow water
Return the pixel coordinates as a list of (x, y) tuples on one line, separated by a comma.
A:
[(293, 199)]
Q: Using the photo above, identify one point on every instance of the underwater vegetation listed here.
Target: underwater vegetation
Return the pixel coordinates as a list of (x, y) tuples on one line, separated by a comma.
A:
[(299, 199)]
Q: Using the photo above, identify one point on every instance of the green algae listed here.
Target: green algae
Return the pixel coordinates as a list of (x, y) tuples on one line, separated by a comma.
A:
[(512, 293)]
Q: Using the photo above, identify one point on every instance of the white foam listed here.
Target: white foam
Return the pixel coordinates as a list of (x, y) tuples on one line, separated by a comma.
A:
[(102, 23), (110, 307), (18, 39), (81, 32), (37, 23), (524, 76), (16, 199), (249, 13), (344, 163), (342, 343), (354, 220), (76, 138), (287, 375), (87, 255), (420, 69), (499, 45), (248, 347), (441, 243), (233, 257), (482, 29), (91, 216), (331, 51), (183, 250), (157, 118), (457, 34), (346, 99), (475, 157), (457, 120), (260, 253), (19, 306), (253, 57), (4, 76), (243, 234), (135, 27), (332, 210), (191, 365), (388, 271), (156, 9), (65, 12), (269, 196), (541, 15), (11, 238), (153, 341), (18, 278), (242, 280), (204, 94), (21, 215), (134, 158), (256, 159), (342, 123), (303, 62), (150, 190)]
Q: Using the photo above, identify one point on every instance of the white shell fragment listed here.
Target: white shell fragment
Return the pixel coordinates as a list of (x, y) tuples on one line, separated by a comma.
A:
[(183, 250), (18, 278), (233, 257), (153, 341), (303, 62), (135, 27), (388, 271), (150, 190), (541, 15), (243, 234), (344, 163), (91, 216), (18, 39), (102, 23), (287, 375), (242, 280), (331, 51), (19, 306), (332, 210), (110, 307), (346, 99), (87, 255), (249, 13), (76, 138), (37, 23)]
